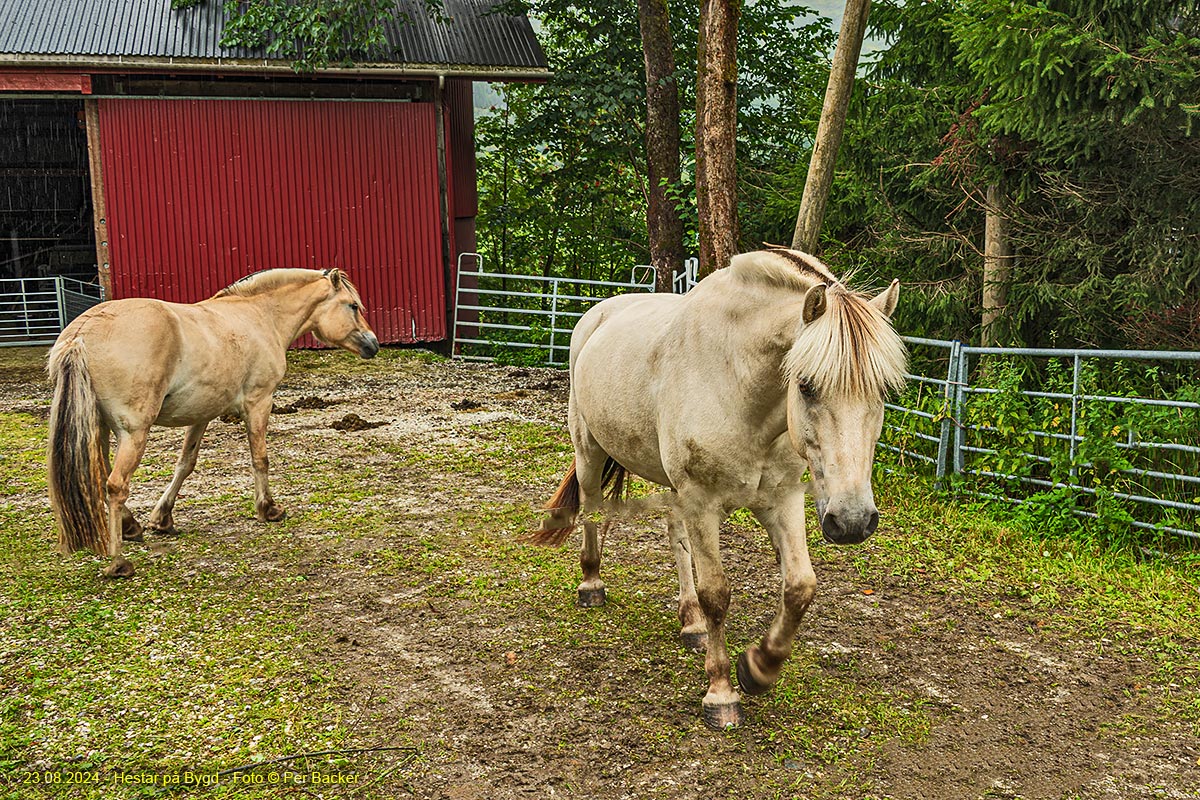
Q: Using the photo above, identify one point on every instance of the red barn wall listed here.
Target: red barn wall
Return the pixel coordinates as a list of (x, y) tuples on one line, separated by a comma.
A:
[(202, 192)]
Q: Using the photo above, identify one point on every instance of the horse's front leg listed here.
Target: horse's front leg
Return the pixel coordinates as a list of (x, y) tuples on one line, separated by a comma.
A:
[(162, 519), (759, 667), (256, 415), (722, 706), (130, 447)]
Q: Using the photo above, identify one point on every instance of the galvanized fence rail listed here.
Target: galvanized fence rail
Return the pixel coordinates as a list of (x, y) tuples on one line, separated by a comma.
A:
[(33, 311), (1157, 479), (530, 317)]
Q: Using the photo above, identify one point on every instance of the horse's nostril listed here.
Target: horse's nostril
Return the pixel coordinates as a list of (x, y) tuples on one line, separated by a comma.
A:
[(831, 526), (873, 522)]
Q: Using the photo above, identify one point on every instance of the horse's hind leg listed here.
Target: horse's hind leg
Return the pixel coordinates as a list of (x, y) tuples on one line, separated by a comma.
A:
[(589, 470), (162, 519), (691, 618), (130, 447), (131, 529), (591, 590), (758, 668)]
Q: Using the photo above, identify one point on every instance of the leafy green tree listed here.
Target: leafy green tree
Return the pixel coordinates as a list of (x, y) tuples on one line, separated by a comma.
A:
[(312, 33), (1085, 110), (579, 139), (561, 164)]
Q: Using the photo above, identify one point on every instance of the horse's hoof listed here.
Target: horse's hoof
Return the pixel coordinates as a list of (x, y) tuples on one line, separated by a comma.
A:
[(131, 530), (272, 513), (592, 598), (118, 569), (750, 685), (170, 530), (697, 642), (724, 716)]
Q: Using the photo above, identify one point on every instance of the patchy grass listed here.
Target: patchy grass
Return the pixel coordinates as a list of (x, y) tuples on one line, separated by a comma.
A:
[(340, 362), (22, 454), (195, 666), (396, 607), (931, 539), (1115, 599)]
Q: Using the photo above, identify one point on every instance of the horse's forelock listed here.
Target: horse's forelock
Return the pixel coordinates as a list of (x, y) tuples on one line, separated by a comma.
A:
[(851, 350), (353, 290)]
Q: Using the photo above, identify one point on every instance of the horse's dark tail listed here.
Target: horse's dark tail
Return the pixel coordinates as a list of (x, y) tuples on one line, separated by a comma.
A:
[(564, 505), (76, 455)]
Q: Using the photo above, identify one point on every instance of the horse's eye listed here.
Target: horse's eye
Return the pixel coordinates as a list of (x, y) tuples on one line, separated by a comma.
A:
[(805, 389), (354, 307)]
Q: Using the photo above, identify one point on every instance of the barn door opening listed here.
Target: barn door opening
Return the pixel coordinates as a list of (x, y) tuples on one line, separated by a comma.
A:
[(46, 226), (48, 268)]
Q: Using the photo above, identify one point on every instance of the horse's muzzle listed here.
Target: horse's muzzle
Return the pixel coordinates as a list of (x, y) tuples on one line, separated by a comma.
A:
[(368, 345), (848, 526)]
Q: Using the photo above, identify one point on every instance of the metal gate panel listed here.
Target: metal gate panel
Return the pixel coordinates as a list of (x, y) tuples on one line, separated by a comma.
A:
[(203, 192)]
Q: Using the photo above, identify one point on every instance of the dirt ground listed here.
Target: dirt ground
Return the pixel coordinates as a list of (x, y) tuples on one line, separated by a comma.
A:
[(507, 694)]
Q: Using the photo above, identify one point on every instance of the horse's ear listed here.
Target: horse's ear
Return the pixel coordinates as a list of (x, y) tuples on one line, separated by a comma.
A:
[(886, 300), (814, 303), (335, 277)]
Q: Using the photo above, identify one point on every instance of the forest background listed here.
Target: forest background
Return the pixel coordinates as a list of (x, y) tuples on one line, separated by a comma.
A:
[(1074, 120)]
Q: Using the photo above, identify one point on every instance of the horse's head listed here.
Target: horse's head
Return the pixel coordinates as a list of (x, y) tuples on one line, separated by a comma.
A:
[(845, 360), (338, 320)]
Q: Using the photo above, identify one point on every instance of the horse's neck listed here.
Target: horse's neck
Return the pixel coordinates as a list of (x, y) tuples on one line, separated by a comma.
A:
[(770, 319), (758, 322), (288, 309)]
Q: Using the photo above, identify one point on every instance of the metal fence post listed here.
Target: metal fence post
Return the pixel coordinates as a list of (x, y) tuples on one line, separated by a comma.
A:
[(61, 300), (944, 437), (25, 309), (1074, 414), (457, 300), (553, 317), (960, 392)]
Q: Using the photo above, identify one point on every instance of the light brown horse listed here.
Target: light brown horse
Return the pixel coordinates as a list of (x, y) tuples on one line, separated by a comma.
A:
[(125, 365), (726, 396)]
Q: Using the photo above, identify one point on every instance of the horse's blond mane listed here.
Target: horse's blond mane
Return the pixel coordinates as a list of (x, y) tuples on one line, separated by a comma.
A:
[(851, 350), (270, 279), (783, 269)]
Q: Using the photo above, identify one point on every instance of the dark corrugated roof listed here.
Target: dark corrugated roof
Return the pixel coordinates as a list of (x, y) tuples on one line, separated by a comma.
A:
[(471, 36)]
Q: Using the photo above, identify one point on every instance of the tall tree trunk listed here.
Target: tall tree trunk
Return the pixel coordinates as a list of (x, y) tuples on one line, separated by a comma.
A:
[(997, 263), (664, 225), (716, 132), (829, 129)]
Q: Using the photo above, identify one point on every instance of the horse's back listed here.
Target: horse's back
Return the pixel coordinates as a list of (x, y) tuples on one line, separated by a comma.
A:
[(130, 331)]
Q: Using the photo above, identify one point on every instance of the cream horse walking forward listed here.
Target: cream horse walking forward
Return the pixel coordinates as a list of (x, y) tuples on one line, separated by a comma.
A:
[(125, 365), (726, 396)]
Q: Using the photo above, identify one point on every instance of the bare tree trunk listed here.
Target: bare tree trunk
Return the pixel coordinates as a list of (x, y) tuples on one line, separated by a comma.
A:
[(997, 263), (664, 225), (829, 129), (716, 132)]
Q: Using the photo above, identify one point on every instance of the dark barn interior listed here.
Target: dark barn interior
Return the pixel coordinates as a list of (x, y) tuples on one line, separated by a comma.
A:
[(46, 225)]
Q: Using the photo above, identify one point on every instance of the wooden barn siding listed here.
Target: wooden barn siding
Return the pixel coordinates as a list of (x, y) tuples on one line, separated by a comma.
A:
[(203, 192)]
